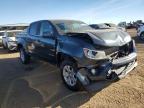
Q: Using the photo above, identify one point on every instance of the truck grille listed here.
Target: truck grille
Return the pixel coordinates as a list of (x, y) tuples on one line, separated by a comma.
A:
[(126, 49), (119, 51)]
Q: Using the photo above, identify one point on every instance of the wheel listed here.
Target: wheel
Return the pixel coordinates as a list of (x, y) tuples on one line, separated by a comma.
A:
[(68, 73), (24, 57), (142, 35)]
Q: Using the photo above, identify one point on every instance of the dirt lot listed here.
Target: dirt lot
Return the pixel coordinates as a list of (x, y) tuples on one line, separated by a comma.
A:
[(39, 85)]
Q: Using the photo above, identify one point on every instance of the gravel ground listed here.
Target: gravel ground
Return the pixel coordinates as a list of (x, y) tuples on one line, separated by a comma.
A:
[(39, 85)]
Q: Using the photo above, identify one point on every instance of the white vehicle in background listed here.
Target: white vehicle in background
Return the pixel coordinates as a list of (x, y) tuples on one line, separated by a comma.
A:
[(114, 26), (1, 35), (9, 40), (140, 31), (9, 36), (106, 26)]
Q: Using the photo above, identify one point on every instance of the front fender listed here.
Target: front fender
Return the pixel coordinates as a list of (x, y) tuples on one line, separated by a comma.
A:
[(70, 47), (73, 47)]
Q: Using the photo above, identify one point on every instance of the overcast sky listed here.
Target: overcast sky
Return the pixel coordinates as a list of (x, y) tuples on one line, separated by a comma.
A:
[(89, 11)]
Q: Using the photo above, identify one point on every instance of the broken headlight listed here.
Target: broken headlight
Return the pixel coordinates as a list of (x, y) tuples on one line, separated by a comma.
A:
[(94, 54)]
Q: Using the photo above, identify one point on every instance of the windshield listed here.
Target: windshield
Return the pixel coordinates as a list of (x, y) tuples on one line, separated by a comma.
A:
[(12, 34), (64, 27)]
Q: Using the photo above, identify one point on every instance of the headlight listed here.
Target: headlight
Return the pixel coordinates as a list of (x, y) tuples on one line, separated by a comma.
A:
[(93, 54)]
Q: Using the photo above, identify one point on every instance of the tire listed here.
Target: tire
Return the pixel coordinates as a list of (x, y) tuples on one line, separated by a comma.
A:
[(142, 35), (24, 57), (68, 72)]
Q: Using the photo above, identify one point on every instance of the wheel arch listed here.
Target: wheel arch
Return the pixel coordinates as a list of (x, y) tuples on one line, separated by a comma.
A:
[(62, 56)]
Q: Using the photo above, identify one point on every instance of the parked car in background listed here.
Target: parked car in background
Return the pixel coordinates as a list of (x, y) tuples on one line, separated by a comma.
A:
[(9, 40), (127, 25), (8, 32), (139, 25), (130, 26), (106, 26), (1, 35), (140, 31), (83, 54), (19, 26), (111, 25)]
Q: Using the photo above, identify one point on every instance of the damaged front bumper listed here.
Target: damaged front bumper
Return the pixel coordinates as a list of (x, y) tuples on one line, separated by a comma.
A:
[(109, 70)]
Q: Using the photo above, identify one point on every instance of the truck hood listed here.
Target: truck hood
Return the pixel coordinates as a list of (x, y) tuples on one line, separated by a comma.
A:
[(109, 37)]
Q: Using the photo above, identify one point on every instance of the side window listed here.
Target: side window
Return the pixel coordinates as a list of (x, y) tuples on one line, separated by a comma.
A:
[(46, 29), (35, 29)]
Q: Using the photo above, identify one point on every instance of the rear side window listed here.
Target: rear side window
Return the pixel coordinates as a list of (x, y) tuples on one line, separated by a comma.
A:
[(35, 29)]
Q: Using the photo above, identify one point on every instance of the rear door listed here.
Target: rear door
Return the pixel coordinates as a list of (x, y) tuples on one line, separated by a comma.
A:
[(33, 38)]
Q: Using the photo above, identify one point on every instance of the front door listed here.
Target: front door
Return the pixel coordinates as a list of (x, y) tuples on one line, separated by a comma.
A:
[(47, 42)]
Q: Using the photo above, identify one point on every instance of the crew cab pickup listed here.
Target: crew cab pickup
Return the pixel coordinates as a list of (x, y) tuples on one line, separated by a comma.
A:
[(83, 54)]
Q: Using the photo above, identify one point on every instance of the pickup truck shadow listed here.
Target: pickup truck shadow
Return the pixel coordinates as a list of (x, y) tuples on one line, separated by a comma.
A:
[(47, 80), (38, 84), (21, 95), (68, 99)]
